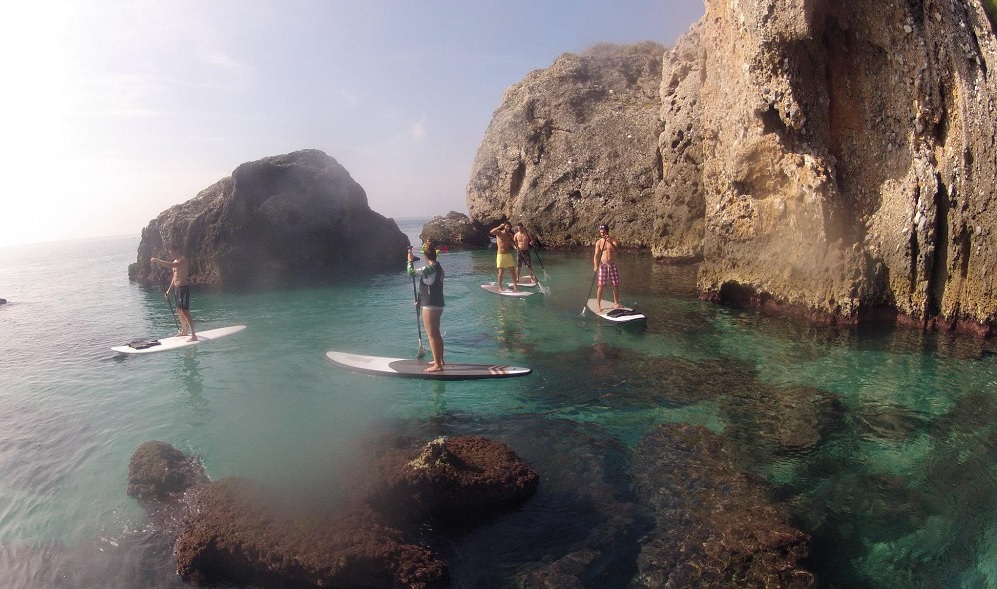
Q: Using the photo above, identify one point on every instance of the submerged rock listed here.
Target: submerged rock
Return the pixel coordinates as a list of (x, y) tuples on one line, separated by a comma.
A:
[(238, 534), (454, 479), (236, 531), (714, 525), (158, 472), (278, 220)]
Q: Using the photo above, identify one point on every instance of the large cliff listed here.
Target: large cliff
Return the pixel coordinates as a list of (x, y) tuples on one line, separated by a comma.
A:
[(833, 158), (573, 146), (275, 221)]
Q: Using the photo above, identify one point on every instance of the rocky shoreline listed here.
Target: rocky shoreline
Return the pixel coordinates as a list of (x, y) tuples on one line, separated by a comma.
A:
[(827, 160)]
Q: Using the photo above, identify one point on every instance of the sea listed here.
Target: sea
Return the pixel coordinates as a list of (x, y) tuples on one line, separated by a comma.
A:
[(895, 482)]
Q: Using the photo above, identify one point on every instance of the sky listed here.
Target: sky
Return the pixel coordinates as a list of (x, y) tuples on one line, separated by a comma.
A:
[(114, 111)]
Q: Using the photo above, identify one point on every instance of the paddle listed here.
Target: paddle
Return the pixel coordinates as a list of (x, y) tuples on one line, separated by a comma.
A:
[(543, 288), (546, 277), (594, 276), (418, 326), (167, 296)]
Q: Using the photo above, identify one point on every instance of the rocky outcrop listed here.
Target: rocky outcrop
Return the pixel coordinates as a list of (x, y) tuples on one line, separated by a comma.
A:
[(823, 158), (158, 472), (573, 146), (279, 220), (455, 230), (240, 535), (848, 167), (236, 531)]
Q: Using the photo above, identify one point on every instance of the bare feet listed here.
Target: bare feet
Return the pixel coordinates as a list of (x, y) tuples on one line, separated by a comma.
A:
[(433, 367), (192, 338), (617, 306)]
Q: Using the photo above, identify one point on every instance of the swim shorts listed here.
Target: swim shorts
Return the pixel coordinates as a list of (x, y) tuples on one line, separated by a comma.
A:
[(523, 257), (609, 273), (504, 261), (182, 296)]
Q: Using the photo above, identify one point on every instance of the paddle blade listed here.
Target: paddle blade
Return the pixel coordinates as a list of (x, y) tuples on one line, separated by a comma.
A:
[(422, 350), (544, 289)]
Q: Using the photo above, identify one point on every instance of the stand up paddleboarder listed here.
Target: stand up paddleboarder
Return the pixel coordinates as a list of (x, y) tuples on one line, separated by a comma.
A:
[(431, 300), (181, 290)]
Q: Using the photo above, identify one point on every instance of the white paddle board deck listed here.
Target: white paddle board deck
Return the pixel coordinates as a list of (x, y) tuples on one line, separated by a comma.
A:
[(616, 315), (406, 368), (177, 341), (506, 293)]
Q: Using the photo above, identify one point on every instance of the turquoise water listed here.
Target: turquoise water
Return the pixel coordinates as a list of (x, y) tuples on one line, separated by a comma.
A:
[(881, 442)]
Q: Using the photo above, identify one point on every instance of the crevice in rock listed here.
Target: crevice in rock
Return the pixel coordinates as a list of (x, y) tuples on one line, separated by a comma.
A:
[(771, 121), (939, 262), (516, 183), (915, 251)]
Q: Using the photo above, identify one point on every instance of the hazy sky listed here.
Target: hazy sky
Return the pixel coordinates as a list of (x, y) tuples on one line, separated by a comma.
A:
[(114, 111)]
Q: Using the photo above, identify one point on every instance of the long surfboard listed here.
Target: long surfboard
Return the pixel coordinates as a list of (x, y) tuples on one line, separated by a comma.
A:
[(406, 368), (615, 315), (506, 293), (177, 341)]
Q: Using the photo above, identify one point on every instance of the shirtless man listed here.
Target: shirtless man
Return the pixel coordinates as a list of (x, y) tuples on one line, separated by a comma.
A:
[(523, 241), (604, 262), (181, 289), (504, 259)]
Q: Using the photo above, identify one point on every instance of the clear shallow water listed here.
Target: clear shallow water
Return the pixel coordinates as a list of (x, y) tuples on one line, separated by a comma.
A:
[(896, 486)]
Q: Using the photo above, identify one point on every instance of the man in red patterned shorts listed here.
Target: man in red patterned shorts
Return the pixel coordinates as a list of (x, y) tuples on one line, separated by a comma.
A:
[(604, 262)]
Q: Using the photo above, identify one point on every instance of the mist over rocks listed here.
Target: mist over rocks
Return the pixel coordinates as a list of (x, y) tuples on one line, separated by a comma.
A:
[(367, 528), (275, 221), (826, 159)]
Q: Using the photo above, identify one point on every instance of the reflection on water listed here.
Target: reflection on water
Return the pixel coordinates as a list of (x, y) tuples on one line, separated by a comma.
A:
[(188, 375)]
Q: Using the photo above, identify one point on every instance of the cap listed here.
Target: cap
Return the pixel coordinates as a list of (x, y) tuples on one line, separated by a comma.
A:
[(604, 226)]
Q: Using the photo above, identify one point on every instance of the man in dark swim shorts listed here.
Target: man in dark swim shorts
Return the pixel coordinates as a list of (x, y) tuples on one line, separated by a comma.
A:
[(181, 290)]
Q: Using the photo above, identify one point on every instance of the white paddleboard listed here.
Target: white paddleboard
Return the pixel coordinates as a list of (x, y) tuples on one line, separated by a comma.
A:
[(406, 368), (177, 341), (526, 283), (616, 315), (506, 293)]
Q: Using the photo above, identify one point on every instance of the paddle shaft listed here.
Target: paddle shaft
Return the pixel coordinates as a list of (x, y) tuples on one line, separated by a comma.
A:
[(418, 326), (594, 276), (172, 310)]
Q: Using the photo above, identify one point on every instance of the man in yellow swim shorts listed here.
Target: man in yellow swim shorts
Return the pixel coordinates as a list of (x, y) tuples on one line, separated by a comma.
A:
[(504, 259)]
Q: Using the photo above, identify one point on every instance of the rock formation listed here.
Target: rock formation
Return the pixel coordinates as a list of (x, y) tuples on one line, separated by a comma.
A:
[(455, 229), (848, 167), (275, 221), (829, 158), (573, 146)]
